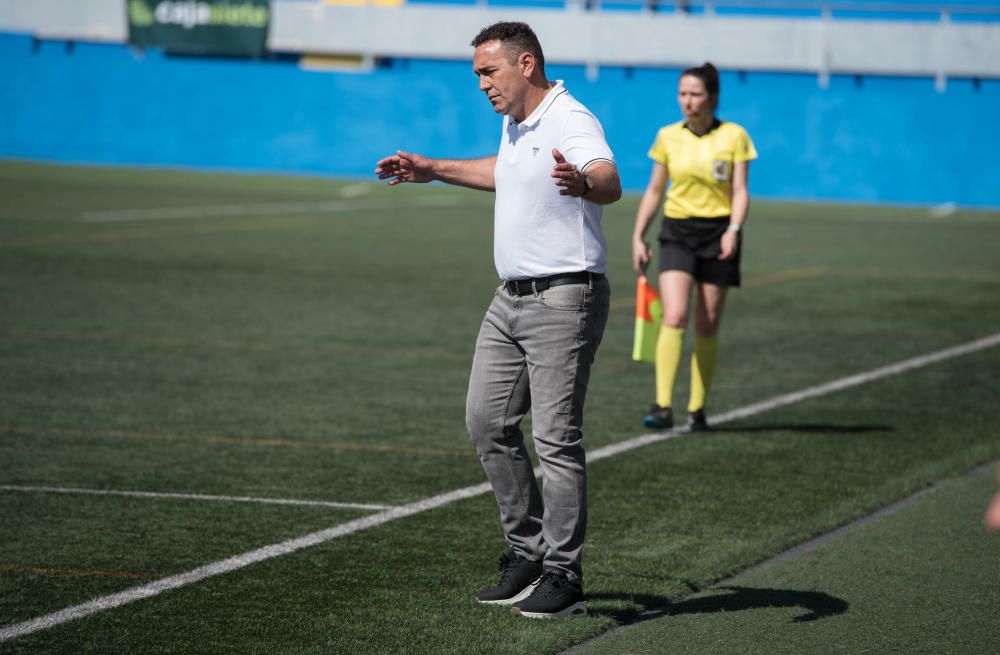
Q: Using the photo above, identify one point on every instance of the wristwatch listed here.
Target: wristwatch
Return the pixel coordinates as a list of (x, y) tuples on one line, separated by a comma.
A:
[(588, 185)]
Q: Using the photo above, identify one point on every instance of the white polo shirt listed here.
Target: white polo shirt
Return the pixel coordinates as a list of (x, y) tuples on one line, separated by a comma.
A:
[(538, 232)]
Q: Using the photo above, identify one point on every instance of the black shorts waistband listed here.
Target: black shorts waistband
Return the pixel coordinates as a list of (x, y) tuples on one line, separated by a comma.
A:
[(698, 218), (536, 284)]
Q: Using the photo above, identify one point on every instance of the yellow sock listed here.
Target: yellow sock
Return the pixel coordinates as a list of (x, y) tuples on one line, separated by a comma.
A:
[(706, 354), (669, 345)]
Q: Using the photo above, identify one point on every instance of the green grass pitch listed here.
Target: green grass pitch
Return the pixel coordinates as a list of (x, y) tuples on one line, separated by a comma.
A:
[(310, 339)]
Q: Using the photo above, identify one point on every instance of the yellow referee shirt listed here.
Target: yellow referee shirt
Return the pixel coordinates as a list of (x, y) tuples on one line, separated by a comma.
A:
[(701, 167)]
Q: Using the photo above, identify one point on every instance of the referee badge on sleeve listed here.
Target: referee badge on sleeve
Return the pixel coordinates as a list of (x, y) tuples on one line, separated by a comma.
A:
[(720, 169)]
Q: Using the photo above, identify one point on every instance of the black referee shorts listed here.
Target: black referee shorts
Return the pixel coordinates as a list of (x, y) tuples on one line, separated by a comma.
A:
[(693, 245)]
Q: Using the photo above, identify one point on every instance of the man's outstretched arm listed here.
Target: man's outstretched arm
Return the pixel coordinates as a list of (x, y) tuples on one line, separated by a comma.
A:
[(410, 167)]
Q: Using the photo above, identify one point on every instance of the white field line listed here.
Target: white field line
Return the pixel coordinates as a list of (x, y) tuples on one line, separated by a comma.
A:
[(238, 562), (284, 548), (258, 209), (805, 394), (178, 496), (356, 190)]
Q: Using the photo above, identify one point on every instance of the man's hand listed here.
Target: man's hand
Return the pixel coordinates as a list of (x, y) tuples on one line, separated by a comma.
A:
[(568, 176), (405, 167)]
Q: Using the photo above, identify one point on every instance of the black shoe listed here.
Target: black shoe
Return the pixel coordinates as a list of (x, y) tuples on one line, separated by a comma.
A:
[(518, 578), (659, 418), (555, 596), (697, 422)]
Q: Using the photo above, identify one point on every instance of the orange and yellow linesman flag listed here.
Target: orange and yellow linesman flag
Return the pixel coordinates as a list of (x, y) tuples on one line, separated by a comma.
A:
[(648, 316)]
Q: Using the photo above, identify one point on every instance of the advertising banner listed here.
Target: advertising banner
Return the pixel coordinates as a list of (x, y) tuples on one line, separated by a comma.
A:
[(200, 27)]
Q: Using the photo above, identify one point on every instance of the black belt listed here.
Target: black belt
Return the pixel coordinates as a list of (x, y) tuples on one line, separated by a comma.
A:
[(536, 284)]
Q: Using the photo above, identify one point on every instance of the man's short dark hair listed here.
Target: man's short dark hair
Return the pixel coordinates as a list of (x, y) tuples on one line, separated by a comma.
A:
[(515, 38)]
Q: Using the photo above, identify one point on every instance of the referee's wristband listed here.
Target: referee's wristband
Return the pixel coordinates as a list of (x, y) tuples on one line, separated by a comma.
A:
[(733, 227)]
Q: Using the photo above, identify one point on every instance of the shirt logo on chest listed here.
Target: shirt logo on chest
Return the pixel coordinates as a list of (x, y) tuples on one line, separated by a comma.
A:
[(534, 151)]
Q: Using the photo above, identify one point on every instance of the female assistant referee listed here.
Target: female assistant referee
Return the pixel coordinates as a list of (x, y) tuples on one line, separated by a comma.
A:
[(707, 164)]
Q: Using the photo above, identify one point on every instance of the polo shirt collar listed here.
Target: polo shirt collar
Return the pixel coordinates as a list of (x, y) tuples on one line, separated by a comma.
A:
[(557, 90), (715, 125)]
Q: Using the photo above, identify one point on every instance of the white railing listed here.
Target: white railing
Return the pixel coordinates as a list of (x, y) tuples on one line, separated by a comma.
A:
[(823, 45)]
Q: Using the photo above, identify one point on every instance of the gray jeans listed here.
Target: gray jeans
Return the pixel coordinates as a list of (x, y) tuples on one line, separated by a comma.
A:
[(535, 351)]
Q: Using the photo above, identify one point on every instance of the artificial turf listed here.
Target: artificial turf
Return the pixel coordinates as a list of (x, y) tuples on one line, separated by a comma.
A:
[(922, 579), (323, 354)]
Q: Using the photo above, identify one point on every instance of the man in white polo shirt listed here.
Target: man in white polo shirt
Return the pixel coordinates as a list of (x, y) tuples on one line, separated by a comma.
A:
[(552, 174)]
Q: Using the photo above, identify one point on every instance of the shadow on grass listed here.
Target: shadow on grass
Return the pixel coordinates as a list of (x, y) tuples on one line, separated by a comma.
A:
[(807, 427), (817, 604)]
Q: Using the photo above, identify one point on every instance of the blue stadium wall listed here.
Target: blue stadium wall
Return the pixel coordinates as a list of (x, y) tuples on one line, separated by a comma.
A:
[(870, 139)]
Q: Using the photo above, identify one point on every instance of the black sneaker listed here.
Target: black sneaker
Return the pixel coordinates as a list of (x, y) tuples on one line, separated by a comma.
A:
[(518, 578), (555, 596), (697, 422), (659, 418)]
